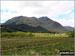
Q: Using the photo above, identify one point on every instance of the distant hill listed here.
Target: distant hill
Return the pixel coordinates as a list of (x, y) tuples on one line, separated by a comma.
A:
[(69, 28), (33, 24), (51, 25)]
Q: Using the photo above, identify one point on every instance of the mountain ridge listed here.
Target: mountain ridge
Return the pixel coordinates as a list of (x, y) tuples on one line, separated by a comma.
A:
[(70, 28), (42, 22)]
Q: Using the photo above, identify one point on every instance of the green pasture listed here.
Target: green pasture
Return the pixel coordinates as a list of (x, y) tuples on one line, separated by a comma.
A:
[(27, 43), (29, 34), (36, 46)]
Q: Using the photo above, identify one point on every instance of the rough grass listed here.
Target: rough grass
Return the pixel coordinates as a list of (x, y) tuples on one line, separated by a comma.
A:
[(29, 34), (36, 46), (49, 35)]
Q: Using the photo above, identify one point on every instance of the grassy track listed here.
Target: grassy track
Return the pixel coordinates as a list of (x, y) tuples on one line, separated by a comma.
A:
[(36, 46)]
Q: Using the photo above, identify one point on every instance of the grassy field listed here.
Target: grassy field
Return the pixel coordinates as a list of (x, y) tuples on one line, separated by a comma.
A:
[(29, 34), (36, 45), (48, 35)]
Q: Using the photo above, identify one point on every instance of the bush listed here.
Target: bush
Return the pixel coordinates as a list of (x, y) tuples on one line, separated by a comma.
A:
[(19, 34), (6, 34), (29, 34), (16, 34), (70, 33)]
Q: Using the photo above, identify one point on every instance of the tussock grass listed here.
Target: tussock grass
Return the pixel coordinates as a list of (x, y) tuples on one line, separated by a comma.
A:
[(36, 46)]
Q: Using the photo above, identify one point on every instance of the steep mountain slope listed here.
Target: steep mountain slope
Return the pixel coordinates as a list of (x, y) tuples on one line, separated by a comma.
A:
[(23, 28), (33, 24), (32, 21), (51, 25), (25, 24)]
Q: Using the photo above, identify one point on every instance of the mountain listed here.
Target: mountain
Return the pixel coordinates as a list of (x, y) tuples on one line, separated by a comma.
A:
[(69, 28), (25, 24), (31, 21), (23, 28), (33, 24), (51, 25)]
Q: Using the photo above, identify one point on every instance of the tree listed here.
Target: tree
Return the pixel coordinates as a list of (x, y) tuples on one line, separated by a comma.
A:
[(70, 33), (29, 34)]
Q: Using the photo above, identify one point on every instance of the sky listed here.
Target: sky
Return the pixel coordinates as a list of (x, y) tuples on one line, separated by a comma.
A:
[(60, 11)]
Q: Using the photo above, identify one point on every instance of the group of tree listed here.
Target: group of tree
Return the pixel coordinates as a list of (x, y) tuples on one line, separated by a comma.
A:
[(71, 33), (16, 34)]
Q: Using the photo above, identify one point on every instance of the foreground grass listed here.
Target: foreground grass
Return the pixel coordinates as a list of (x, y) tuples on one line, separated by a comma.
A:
[(36, 46)]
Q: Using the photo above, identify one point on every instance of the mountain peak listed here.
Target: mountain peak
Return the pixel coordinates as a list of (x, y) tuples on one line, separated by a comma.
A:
[(20, 16), (44, 18)]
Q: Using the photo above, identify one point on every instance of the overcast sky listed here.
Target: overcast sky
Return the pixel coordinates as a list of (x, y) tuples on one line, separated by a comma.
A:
[(60, 11)]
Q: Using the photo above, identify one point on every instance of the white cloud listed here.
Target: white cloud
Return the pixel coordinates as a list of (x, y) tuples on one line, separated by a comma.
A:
[(38, 9)]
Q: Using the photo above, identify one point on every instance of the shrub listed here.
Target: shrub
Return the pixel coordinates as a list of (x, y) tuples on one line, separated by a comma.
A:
[(19, 34), (16, 34), (70, 33), (29, 34), (5, 34)]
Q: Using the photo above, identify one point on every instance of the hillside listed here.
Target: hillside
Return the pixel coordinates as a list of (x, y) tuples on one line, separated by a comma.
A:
[(69, 28), (33, 24)]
